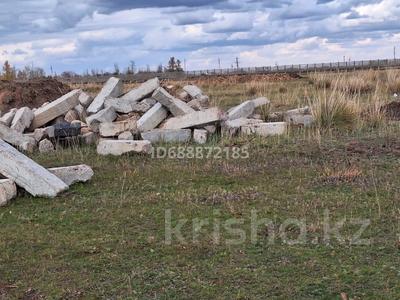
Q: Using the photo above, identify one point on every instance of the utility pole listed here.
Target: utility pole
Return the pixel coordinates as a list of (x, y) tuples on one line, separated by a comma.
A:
[(394, 52), (219, 63), (237, 62), (184, 65)]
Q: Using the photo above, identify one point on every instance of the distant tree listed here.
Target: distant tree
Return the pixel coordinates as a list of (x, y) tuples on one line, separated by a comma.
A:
[(174, 65), (8, 71), (116, 69), (68, 74), (160, 68), (28, 72)]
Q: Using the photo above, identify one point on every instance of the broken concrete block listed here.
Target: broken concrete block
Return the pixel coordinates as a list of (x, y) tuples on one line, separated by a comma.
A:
[(85, 100), (243, 110), (22, 119), (106, 115), (71, 115), (196, 105), (8, 191), (260, 102), (176, 106), (116, 128), (17, 139), (193, 91), (113, 88), (117, 148), (196, 119), (27, 174), (152, 118), (298, 111), (8, 117), (55, 109), (41, 133), (144, 90), (168, 135), (126, 136), (300, 120), (232, 127), (265, 129), (73, 174), (200, 136), (46, 146), (184, 96), (121, 105)]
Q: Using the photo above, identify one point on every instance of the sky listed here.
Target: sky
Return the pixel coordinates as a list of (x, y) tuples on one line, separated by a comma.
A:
[(81, 35)]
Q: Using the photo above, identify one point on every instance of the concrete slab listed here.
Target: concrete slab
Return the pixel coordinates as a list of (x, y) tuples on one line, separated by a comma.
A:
[(265, 129), (176, 106), (152, 118), (27, 174), (196, 119), (8, 191), (118, 147), (168, 135), (116, 128), (22, 119), (73, 174), (55, 109), (112, 88), (106, 115), (17, 139)]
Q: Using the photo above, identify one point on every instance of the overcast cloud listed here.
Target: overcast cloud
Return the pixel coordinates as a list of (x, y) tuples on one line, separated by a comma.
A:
[(95, 34)]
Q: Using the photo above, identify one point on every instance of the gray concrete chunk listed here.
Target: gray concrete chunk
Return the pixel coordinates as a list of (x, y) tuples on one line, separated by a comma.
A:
[(152, 118), (85, 100), (73, 174), (27, 174), (196, 119), (168, 135), (8, 191), (265, 129), (200, 136), (176, 106), (112, 88), (17, 139), (243, 110), (106, 115), (55, 109), (8, 117), (144, 90), (22, 119), (116, 128), (193, 90), (118, 147)]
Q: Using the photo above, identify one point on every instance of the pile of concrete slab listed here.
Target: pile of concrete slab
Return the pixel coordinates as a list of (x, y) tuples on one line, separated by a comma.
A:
[(119, 123)]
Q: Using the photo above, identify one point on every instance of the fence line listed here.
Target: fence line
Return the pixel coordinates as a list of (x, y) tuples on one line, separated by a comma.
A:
[(294, 68)]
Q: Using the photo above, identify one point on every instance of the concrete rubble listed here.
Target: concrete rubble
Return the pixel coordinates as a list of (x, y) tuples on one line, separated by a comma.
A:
[(151, 112)]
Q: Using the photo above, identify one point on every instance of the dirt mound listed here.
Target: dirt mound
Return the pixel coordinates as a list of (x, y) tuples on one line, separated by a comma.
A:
[(392, 110), (32, 93)]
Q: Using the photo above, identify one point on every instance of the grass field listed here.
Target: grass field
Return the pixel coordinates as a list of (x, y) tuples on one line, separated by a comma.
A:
[(108, 239)]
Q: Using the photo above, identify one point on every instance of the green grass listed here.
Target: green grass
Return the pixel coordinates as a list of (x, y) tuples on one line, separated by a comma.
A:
[(105, 239)]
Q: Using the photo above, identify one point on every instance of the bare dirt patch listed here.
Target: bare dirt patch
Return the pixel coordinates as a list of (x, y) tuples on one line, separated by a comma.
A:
[(32, 93)]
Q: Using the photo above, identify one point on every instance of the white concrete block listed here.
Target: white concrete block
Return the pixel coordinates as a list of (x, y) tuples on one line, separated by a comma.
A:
[(85, 100), (73, 174), (196, 119), (116, 128), (152, 118), (243, 110), (193, 90), (262, 101), (46, 146), (8, 191), (112, 88), (17, 139), (168, 135), (265, 129), (144, 90), (8, 117), (200, 136), (300, 120), (55, 109), (118, 147), (106, 115), (22, 119), (121, 105), (176, 106), (126, 136)]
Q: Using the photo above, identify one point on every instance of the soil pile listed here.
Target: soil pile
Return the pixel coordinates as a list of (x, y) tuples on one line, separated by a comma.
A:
[(32, 93)]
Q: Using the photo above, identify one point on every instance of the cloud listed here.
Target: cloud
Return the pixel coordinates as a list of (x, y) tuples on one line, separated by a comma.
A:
[(79, 35)]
